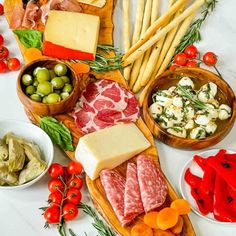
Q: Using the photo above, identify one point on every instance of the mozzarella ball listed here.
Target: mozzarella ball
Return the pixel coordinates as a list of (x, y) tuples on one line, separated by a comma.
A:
[(155, 109), (186, 81), (211, 127), (204, 96), (165, 122), (202, 119), (224, 112), (163, 98), (178, 101), (189, 125), (175, 113), (189, 112), (177, 131), (198, 133), (172, 89)]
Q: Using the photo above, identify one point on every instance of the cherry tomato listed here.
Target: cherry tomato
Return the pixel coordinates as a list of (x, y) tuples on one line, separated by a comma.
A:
[(69, 211), (1, 40), (55, 184), (192, 64), (74, 168), (56, 170), (180, 59), (73, 195), (3, 67), (1, 9), (210, 58), (173, 67), (55, 198), (13, 64), (52, 214), (76, 182), (191, 51), (4, 53)]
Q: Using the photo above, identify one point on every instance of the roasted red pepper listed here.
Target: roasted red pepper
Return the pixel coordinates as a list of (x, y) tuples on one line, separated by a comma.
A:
[(204, 200), (225, 201), (208, 180), (200, 161), (230, 157)]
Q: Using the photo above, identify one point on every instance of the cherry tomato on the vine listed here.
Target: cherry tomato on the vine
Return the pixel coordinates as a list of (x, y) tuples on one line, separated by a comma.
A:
[(192, 64), (4, 53), (55, 184), (74, 168), (210, 58), (191, 51), (3, 67), (73, 195), (13, 64), (56, 170), (173, 67), (69, 211), (52, 214), (55, 198), (1, 40), (180, 59), (76, 182), (1, 9)]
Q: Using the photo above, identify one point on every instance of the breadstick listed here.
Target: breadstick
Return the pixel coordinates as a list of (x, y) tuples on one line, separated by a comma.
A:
[(145, 25), (155, 10), (155, 26), (126, 13), (190, 10)]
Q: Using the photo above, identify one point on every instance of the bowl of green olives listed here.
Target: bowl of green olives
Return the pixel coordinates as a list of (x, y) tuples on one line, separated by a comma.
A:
[(48, 87)]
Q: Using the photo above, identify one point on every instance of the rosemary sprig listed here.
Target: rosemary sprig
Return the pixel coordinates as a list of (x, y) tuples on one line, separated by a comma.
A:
[(193, 34), (99, 225)]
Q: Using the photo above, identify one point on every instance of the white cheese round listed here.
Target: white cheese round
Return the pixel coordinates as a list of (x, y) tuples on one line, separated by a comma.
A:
[(198, 133), (172, 89), (204, 96), (211, 127), (186, 81), (189, 125), (178, 101), (189, 112), (177, 131), (202, 119), (224, 112), (155, 109)]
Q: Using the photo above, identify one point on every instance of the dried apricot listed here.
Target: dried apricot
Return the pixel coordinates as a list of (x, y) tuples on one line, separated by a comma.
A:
[(150, 219), (159, 232), (178, 227), (181, 206), (141, 229)]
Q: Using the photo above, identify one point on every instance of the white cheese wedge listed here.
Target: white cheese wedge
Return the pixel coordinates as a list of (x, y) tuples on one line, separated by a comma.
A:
[(109, 147), (96, 3), (73, 30)]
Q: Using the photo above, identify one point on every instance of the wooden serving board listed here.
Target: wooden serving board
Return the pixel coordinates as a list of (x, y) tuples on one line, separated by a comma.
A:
[(95, 188)]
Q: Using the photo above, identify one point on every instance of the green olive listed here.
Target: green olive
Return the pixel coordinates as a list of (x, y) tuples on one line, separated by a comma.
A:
[(52, 74), (30, 90), (42, 75), (60, 69), (44, 88), (64, 95), (53, 98), (57, 83), (27, 79), (36, 97), (66, 79), (35, 70), (45, 99), (67, 88), (36, 83)]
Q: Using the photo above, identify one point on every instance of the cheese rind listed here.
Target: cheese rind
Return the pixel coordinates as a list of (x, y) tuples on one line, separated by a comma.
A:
[(72, 30), (110, 147)]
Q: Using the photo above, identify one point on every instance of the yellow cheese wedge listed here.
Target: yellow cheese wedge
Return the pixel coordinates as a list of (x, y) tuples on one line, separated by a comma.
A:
[(109, 147), (72, 30), (96, 3)]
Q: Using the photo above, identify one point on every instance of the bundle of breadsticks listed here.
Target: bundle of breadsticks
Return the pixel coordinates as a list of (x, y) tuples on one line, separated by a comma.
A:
[(154, 39)]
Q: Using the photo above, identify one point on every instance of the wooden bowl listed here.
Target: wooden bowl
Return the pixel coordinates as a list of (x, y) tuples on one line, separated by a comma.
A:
[(168, 78), (49, 109)]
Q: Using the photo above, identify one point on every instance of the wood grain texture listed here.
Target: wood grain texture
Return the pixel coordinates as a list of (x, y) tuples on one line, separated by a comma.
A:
[(95, 188), (187, 143)]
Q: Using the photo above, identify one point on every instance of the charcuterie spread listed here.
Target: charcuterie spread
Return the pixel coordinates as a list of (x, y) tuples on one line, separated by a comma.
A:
[(73, 88)]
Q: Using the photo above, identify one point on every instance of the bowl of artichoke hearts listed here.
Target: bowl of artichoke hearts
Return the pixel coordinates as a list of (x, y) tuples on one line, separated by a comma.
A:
[(26, 152), (189, 108)]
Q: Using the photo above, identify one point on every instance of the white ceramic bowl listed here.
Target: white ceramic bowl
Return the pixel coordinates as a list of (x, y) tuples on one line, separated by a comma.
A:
[(33, 133)]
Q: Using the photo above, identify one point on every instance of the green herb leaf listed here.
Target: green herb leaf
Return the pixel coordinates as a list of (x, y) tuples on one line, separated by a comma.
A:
[(58, 132), (30, 38)]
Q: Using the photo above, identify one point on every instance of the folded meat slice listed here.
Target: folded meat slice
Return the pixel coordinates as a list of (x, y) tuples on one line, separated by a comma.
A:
[(133, 201), (153, 187), (114, 186), (17, 16)]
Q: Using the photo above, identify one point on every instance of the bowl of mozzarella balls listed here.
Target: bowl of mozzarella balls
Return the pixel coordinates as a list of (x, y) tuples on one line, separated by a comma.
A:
[(189, 108)]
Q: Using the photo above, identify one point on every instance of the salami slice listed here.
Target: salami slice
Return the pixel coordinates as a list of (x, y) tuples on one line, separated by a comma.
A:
[(133, 201), (152, 184), (114, 186)]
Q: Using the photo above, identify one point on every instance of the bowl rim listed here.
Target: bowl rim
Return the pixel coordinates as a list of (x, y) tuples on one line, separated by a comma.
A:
[(171, 136), (51, 156), (52, 60)]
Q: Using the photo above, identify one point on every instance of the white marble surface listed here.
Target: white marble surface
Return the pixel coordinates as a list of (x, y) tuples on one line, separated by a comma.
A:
[(19, 214)]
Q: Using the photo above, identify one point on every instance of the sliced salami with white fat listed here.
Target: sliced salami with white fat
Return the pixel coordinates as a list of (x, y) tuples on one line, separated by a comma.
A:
[(114, 186), (133, 201), (153, 187)]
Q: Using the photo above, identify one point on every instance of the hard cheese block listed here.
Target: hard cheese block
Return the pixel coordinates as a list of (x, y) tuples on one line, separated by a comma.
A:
[(110, 147), (71, 35)]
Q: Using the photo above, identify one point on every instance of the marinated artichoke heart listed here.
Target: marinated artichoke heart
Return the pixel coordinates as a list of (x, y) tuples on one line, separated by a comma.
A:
[(32, 170), (9, 178), (3, 151), (16, 156), (3, 165), (2, 183), (32, 151)]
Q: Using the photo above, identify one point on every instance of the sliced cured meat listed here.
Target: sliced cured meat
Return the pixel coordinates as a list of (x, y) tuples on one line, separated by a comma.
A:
[(114, 186), (17, 16), (110, 104), (133, 201), (152, 184)]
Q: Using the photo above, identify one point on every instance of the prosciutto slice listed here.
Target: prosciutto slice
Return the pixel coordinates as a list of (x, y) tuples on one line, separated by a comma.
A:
[(17, 16)]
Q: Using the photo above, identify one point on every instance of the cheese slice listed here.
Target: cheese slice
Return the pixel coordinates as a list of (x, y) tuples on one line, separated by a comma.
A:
[(71, 35), (109, 147), (96, 3)]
